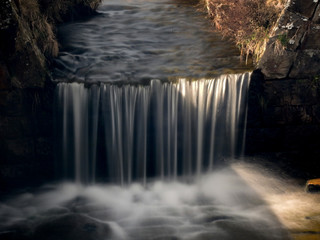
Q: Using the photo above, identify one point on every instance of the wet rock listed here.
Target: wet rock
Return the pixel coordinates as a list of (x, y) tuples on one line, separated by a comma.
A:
[(313, 185), (290, 30), (283, 116), (294, 49), (306, 64), (316, 17), (72, 226), (303, 7), (276, 65), (311, 40)]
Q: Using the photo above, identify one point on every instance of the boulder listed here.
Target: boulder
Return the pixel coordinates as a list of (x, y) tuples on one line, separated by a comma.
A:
[(293, 50), (276, 64)]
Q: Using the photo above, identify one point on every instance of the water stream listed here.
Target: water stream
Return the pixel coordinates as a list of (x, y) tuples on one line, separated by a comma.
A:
[(136, 41), (163, 130), (150, 110)]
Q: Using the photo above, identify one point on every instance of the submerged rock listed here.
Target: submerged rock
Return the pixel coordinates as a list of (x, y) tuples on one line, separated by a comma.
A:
[(72, 226)]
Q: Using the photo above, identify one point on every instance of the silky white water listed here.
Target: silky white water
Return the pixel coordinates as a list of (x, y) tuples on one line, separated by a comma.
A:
[(162, 130), (231, 203)]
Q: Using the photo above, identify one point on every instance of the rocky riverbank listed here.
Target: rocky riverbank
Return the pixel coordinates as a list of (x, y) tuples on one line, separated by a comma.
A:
[(284, 99), (28, 44), (284, 104)]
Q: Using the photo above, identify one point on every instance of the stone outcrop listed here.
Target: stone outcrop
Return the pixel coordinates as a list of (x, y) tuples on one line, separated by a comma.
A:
[(284, 123), (294, 48), (27, 47), (284, 100)]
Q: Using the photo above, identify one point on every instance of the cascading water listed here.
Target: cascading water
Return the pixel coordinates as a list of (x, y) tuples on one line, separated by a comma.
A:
[(164, 130), (147, 105)]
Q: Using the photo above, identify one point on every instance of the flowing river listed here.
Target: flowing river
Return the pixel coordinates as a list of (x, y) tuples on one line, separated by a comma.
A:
[(150, 115)]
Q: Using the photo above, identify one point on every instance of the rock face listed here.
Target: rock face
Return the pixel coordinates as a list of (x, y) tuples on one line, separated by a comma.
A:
[(284, 122), (294, 49), (284, 99), (27, 46)]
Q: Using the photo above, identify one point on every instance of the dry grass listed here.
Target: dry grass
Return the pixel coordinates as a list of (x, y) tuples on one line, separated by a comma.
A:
[(41, 30), (40, 16), (246, 22)]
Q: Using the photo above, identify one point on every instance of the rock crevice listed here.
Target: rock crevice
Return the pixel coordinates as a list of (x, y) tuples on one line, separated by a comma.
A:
[(293, 51)]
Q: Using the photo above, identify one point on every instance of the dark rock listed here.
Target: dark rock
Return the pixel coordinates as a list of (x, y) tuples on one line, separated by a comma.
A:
[(15, 104), (26, 137), (284, 116), (290, 30), (72, 226), (306, 64), (27, 46), (302, 137), (264, 140), (313, 185), (4, 78), (255, 99), (28, 68), (305, 8), (293, 50), (316, 18), (290, 92), (276, 63), (311, 41), (65, 11), (22, 147)]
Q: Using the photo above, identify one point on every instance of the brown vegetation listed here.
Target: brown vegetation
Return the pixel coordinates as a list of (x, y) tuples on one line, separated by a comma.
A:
[(42, 15), (27, 37), (41, 30), (246, 22)]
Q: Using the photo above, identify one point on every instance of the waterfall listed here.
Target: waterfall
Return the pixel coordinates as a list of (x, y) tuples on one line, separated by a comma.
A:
[(126, 133)]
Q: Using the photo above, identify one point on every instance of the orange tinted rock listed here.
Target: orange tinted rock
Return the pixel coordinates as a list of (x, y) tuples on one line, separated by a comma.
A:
[(313, 185)]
